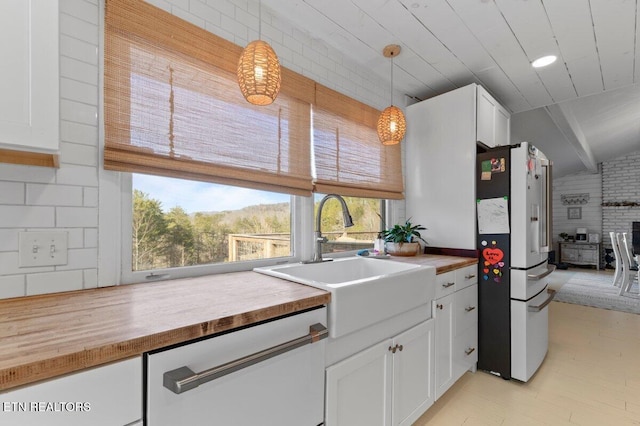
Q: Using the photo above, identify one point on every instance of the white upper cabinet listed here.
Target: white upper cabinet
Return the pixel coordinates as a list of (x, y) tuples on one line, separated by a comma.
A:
[(441, 160), (493, 120), (29, 75)]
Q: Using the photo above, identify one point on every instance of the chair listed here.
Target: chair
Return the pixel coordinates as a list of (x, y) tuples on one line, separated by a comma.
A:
[(617, 275), (629, 266)]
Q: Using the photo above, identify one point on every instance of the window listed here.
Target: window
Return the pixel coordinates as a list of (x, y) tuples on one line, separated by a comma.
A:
[(366, 214), (174, 119), (177, 223), (180, 223)]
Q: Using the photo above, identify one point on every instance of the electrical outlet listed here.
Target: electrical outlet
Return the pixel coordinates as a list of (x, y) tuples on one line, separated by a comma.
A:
[(40, 248)]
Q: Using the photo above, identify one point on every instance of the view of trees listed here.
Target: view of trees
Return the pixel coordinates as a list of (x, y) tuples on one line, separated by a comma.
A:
[(175, 238)]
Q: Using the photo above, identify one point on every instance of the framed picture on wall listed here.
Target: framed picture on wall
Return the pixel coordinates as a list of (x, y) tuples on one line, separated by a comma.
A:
[(574, 212)]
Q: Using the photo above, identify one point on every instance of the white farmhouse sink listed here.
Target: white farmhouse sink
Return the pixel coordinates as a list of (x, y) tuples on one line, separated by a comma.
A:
[(364, 291)]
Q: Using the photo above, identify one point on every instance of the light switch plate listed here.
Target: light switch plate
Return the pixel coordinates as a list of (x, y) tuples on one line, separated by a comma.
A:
[(42, 248)]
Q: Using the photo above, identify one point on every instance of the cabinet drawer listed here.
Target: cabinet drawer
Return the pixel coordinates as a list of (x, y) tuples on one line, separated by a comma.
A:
[(466, 307), (445, 284), (107, 395), (465, 352), (466, 276)]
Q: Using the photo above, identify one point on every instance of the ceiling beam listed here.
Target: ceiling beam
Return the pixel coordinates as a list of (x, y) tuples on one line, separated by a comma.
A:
[(570, 128)]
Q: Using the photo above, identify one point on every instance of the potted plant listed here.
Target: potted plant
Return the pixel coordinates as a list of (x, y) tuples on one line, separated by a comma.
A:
[(399, 240), (564, 236)]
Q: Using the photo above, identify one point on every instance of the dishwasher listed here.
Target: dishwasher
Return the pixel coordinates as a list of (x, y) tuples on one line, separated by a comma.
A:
[(271, 373)]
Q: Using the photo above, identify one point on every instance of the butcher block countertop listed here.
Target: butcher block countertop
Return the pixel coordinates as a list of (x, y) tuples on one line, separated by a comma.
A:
[(51, 335), (440, 262)]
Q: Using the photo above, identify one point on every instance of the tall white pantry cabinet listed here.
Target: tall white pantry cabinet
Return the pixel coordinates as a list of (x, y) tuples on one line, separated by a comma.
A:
[(440, 161)]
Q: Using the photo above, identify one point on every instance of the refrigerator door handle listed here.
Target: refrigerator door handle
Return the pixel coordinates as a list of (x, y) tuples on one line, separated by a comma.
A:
[(552, 294), (550, 269), (545, 240)]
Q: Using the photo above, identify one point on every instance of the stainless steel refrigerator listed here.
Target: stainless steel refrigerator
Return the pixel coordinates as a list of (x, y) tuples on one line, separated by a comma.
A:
[(513, 189)]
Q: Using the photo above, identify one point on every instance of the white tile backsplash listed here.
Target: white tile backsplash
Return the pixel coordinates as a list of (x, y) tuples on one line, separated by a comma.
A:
[(11, 193), (90, 197), (84, 258), (69, 217), (79, 28), (9, 265), (78, 154), (17, 173), (79, 133), (12, 286), (78, 49), (72, 174), (90, 237), (79, 91), (78, 112), (26, 216), (54, 282), (53, 195), (9, 240)]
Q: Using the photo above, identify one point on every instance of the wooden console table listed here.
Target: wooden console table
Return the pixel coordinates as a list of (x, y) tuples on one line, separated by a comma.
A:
[(578, 253)]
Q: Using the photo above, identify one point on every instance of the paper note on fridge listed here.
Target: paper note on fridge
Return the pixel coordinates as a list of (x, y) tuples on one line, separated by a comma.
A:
[(493, 216)]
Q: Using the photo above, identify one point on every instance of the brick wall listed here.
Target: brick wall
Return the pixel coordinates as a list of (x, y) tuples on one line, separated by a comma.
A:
[(620, 184), (34, 198), (579, 183)]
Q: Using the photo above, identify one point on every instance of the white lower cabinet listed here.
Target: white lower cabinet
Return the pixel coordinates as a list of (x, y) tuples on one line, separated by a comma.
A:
[(110, 395), (443, 315), (455, 314), (390, 383)]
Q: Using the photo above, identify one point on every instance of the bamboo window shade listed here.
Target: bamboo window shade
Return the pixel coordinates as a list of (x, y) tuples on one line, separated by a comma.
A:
[(173, 108), (349, 159)]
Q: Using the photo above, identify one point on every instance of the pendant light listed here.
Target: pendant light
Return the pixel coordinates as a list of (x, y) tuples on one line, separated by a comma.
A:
[(391, 123), (259, 70)]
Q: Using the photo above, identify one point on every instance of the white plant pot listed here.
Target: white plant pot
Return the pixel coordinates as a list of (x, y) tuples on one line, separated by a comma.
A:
[(402, 249)]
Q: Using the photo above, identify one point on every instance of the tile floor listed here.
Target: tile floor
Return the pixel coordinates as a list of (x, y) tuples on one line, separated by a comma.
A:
[(591, 376)]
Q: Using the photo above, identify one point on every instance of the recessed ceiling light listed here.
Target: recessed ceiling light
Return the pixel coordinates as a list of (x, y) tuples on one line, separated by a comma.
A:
[(544, 61)]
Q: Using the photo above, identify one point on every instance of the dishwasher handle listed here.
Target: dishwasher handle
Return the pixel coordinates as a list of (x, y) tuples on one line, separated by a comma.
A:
[(183, 379)]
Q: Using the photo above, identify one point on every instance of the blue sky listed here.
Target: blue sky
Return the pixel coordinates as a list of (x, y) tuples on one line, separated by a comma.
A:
[(195, 196)]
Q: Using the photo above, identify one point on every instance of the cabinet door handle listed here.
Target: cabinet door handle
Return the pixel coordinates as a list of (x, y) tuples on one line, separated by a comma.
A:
[(400, 348), (447, 285), (469, 351), (183, 379), (393, 349), (468, 277), (469, 308), (439, 306)]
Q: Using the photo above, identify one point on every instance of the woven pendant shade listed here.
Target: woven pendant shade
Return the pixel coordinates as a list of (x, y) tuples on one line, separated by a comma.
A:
[(391, 123), (391, 126), (259, 73)]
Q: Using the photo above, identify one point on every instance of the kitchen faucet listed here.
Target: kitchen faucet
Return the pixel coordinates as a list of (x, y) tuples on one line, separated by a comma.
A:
[(319, 239)]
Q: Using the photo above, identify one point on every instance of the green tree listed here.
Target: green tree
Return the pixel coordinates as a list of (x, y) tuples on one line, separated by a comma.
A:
[(180, 239), (148, 229), (211, 241)]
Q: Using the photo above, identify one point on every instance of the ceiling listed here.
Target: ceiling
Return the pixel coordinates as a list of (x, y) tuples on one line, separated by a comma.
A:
[(581, 110)]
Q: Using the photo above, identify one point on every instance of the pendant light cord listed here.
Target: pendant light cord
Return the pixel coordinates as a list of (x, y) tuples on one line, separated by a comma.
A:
[(260, 20), (392, 80)]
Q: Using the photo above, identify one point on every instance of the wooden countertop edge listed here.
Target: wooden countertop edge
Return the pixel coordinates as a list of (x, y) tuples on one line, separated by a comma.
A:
[(442, 263), (462, 264), (117, 351)]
